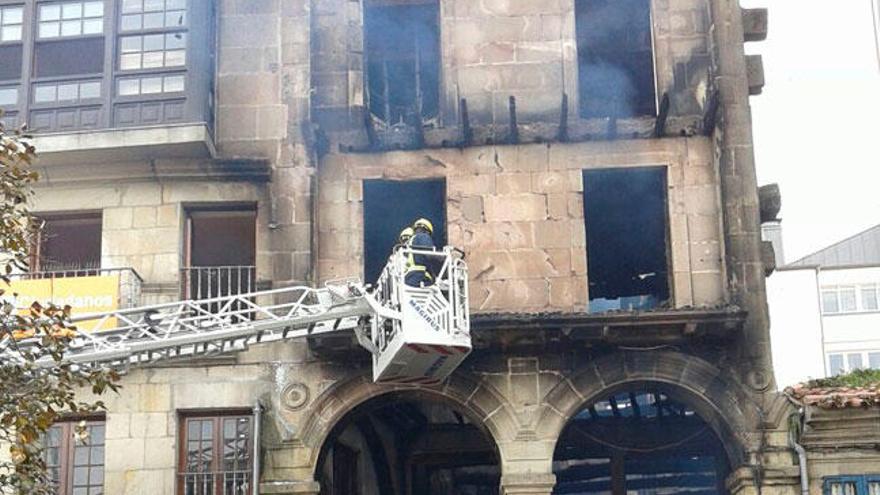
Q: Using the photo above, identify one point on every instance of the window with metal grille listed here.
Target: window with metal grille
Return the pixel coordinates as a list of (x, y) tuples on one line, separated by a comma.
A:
[(69, 242), (852, 485), (74, 455), (215, 456), (615, 58), (403, 59)]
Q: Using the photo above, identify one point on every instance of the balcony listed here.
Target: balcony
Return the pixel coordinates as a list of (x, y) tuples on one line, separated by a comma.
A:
[(86, 290), (99, 84)]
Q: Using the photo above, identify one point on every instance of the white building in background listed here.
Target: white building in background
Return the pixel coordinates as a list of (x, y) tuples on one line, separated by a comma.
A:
[(825, 311)]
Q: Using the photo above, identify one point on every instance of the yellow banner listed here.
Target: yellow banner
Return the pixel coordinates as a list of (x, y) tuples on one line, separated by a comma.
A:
[(96, 294)]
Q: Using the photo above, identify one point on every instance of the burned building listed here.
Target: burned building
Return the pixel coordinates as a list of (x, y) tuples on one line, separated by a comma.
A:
[(592, 158)]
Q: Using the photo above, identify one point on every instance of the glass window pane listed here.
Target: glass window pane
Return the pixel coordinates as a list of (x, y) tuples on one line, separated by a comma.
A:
[(97, 434), (130, 44), (131, 22), (854, 361), (130, 61), (175, 4), (175, 18), (874, 488), (151, 85), (175, 40), (50, 12), (67, 92), (50, 29), (847, 299), (96, 476), (154, 20), (175, 58), (11, 33), (93, 26), (869, 298), (154, 5), (81, 456), (71, 28), (829, 301), (173, 83), (153, 42), (90, 90), (80, 476), (132, 6), (71, 10), (8, 96), (12, 15), (81, 491), (93, 9), (843, 489), (152, 60), (44, 93), (874, 360), (835, 364)]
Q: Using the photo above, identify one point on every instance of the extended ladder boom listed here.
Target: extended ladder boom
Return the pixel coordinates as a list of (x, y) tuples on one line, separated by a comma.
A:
[(220, 325)]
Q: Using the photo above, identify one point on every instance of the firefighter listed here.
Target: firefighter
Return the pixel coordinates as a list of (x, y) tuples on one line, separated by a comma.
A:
[(403, 239), (419, 271)]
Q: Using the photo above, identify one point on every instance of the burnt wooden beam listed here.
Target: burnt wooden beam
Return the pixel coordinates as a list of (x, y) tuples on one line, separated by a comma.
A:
[(710, 118), (662, 115), (467, 135), (562, 136), (513, 135), (372, 138)]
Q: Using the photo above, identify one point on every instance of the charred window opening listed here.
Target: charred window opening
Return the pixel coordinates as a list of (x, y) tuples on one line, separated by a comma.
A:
[(68, 242), (626, 225), (615, 58), (402, 41), (391, 206), (220, 252)]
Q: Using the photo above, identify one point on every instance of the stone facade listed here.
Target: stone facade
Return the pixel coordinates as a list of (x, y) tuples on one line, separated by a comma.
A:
[(290, 139)]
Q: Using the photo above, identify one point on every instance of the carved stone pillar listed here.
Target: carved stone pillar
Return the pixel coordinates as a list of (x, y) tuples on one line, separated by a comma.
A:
[(527, 484), (290, 488)]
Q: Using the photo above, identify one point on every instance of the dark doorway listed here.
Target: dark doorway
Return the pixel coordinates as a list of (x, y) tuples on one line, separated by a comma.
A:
[(403, 59), (639, 440), (220, 252), (68, 242), (615, 58), (401, 444), (389, 207), (626, 226)]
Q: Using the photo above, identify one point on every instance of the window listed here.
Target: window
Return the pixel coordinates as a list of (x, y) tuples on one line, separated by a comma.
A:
[(68, 92), (402, 59), (152, 14), (854, 361), (852, 485), (152, 51), (67, 19), (220, 252), (389, 207), (874, 360), (75, 460), (849, 299), (835, 364), (626, 225), (8, 96), (216, 454), (132, 86), (11, 20), (615, 58), (68, 242)]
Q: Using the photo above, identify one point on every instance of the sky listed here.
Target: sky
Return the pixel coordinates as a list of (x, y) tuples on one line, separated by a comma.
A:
[(817, 123)]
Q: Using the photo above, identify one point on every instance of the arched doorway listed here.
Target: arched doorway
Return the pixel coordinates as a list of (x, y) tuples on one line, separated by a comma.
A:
[(643, 439), (408, 444)]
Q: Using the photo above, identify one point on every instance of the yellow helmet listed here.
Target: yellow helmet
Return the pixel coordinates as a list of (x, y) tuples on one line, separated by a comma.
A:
[(405, 234), (425, 224)]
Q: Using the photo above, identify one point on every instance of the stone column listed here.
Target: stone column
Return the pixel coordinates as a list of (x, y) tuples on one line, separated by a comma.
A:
[(290, 488), (739, 190), (527, 484)]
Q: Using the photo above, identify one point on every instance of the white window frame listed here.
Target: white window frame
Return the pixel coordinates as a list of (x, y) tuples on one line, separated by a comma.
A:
[(859, 289)]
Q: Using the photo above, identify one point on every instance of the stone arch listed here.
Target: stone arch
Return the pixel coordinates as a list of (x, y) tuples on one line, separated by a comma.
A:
[(722, 403), (476, 399)]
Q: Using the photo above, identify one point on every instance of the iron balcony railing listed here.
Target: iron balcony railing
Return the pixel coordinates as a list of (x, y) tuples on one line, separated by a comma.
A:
[(216, 483), (212, 282)]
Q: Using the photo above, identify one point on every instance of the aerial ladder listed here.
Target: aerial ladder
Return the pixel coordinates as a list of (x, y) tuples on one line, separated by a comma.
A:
[(416, 335)]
